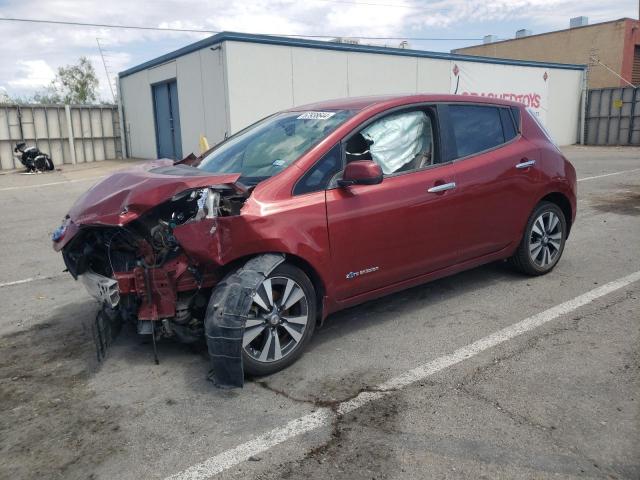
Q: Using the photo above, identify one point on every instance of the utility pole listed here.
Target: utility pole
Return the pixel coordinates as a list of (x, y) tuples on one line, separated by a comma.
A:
[(106, 71)]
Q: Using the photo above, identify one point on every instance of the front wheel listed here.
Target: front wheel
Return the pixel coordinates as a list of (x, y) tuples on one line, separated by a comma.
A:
[(280, 322), (543, 241)]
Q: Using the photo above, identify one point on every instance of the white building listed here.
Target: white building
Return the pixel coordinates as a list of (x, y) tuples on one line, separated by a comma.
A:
[(221, 84)]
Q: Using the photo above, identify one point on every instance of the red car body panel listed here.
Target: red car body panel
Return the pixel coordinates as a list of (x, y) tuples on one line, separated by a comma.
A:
[(125, 195), (387, 228), (390, 236)]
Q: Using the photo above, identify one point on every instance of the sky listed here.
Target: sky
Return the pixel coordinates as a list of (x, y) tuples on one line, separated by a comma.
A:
[(31, 53)]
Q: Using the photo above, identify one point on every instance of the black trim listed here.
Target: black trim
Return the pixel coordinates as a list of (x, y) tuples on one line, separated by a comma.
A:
[(506, 118), (296, 191), (517, 118)]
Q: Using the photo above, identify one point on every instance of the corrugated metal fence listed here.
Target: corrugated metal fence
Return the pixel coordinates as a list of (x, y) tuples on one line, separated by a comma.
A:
[(94, 134), (613, 117)]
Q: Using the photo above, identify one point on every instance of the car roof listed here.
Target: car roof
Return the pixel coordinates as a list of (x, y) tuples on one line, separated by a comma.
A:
[(390, 101)]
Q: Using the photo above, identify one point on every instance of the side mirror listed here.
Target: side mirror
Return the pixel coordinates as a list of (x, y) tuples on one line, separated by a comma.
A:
[(361, 172)]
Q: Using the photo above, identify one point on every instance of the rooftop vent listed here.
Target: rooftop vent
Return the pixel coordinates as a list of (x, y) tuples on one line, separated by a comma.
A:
[(523, 33), (350, 41), (578, 22), (489, 39)]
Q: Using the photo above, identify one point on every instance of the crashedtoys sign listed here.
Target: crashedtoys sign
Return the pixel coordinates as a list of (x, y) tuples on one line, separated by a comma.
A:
[(526, 85)]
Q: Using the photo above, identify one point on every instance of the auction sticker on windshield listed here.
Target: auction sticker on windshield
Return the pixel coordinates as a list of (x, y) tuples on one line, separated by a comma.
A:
[(316, 115)]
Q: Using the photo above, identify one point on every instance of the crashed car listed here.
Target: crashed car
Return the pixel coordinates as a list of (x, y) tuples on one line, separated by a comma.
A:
[(312, 210)]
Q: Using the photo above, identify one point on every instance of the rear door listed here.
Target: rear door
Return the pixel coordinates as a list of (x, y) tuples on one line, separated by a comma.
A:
[(496, 176)]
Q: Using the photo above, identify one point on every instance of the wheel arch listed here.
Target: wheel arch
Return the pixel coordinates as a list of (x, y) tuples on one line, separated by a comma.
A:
[(563, 202), (304, 265)]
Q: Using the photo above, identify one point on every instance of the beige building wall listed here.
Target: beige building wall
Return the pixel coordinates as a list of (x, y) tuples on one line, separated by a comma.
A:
[(202, 101), (263, 79), (224, 88), (574, 45)]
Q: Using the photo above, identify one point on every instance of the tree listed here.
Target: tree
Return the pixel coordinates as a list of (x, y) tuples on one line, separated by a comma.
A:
[(4, 96), (46, 96), (76, 83)]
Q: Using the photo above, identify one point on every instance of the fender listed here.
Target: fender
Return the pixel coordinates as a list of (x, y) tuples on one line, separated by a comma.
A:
[(561, 189)]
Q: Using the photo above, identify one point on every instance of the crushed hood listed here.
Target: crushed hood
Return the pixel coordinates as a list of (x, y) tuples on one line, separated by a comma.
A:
[(125, 195)]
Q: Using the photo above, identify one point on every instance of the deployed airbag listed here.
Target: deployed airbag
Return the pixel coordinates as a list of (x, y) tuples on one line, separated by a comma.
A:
[(397, 139)]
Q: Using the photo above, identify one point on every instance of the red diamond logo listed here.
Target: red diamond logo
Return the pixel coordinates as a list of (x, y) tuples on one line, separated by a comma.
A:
[(545, 76), (456, 70)]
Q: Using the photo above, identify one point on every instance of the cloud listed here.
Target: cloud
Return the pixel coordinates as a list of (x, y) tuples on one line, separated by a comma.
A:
[(547, 14), (30, 53), (32, 74)]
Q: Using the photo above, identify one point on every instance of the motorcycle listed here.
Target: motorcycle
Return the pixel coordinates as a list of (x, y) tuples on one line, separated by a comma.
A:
[(33, 159)]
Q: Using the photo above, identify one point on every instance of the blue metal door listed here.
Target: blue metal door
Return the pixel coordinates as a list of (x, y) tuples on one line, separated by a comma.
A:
[(167, 116)]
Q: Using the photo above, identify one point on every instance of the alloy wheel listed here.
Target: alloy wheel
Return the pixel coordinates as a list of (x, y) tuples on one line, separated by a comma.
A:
[(277, 320), (545, 239)]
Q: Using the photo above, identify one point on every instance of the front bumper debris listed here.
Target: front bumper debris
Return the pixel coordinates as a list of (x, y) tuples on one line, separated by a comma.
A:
[(104, 329), (103, 289)]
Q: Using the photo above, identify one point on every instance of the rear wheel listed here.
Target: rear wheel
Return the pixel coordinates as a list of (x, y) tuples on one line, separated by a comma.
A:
[(543, 241), (280, 322)]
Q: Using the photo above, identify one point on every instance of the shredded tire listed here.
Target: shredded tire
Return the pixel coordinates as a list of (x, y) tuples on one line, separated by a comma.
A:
[(227, 315)]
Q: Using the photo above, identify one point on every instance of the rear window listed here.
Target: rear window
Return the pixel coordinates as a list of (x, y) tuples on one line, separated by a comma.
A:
[(476, 128), (515, 111), (508, 127)]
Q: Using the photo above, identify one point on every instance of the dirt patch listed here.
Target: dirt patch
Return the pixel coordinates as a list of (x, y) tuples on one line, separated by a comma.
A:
[(622, 202), (50, 426), (343, 454)]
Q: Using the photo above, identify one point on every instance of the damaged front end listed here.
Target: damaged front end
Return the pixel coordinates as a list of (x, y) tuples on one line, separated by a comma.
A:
[(135, 265)]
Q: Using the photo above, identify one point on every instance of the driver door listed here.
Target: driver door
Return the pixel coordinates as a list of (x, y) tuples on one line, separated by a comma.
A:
[(396, 230)]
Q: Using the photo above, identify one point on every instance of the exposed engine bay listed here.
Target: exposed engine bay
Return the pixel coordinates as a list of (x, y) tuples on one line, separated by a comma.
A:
[(141, 273)]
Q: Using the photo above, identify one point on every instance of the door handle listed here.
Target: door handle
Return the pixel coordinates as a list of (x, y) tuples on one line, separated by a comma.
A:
[(526, 164), (442, 188)]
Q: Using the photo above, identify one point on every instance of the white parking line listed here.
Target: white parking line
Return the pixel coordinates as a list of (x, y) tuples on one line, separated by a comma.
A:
[(22, 187), (324, 416), (27, 280), (607, 175)]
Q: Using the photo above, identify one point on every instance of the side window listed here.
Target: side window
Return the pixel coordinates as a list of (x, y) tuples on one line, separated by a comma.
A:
[(515, 111), (508, 127), (399, 142), (475, 128), (318, 176)]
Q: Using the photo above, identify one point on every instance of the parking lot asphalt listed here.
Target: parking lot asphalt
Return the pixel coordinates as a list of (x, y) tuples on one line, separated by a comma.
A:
[(561, 400)]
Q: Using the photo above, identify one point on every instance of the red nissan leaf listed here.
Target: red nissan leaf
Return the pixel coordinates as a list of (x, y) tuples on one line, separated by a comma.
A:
[(312, 210)]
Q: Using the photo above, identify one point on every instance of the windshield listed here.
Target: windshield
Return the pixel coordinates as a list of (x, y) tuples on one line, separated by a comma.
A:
[(271, 145)]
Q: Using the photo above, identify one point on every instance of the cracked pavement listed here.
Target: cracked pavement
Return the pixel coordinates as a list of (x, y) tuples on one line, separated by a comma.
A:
[(561, 401)]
